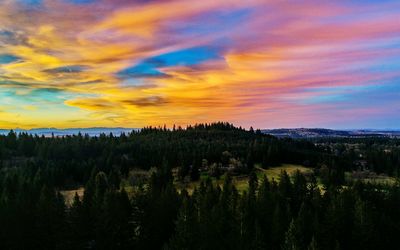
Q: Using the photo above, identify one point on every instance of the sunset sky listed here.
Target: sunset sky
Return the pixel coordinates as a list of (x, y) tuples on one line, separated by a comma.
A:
[(266, 64)]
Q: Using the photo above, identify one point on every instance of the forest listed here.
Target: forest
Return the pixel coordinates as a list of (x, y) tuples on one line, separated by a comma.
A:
[(119, 209)]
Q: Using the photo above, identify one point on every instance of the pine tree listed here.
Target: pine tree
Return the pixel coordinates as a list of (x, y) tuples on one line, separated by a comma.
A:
[(313, 244), (77, 230), (250, 160), (114, 179), (186, 227), (195, 172), (290, 238), (280, 221), (113, 229), (50, 219), (285, 185)]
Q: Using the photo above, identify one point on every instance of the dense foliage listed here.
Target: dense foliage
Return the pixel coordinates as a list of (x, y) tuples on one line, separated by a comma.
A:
[(295, 212), (290, 214), (69, 160)]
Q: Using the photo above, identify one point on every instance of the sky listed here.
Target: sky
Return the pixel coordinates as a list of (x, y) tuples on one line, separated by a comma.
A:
[(260, 63)]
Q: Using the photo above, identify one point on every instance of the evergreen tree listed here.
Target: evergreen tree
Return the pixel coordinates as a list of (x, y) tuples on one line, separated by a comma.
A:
[(313, 245), (290, 238), (195, 172), (50, 219), (186, 235)]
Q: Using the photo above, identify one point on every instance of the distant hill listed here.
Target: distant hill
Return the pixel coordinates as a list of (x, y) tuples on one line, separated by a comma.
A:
[(322, 132), (281, 132), (71, 131)]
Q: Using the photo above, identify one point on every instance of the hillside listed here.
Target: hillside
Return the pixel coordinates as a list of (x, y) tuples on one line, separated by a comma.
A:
[(321, 132)]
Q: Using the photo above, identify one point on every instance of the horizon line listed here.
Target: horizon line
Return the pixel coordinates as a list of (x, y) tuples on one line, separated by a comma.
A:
[(184, 127)]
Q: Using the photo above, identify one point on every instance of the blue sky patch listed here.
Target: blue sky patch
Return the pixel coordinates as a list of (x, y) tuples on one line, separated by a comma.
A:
[(32, 3), (186, 57), (81, 1), (141, 70), (6, 58)]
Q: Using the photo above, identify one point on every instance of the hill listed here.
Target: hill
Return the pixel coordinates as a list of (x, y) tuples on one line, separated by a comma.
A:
[(47, 132)]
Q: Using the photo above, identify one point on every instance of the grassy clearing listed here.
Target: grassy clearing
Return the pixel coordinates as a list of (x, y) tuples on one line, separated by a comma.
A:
[(381, 180), (241, 182), (377, 179), (274, 172)]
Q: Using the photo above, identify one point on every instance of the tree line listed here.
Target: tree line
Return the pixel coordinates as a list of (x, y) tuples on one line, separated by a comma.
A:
[(216, 147), (69, 160), (290, 213)]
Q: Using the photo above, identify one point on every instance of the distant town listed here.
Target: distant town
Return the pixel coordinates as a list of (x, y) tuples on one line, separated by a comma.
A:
[(321, 132)]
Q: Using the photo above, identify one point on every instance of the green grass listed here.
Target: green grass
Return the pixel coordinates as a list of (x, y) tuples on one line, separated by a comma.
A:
[(241, 182), (379, 179), (274, 172)]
